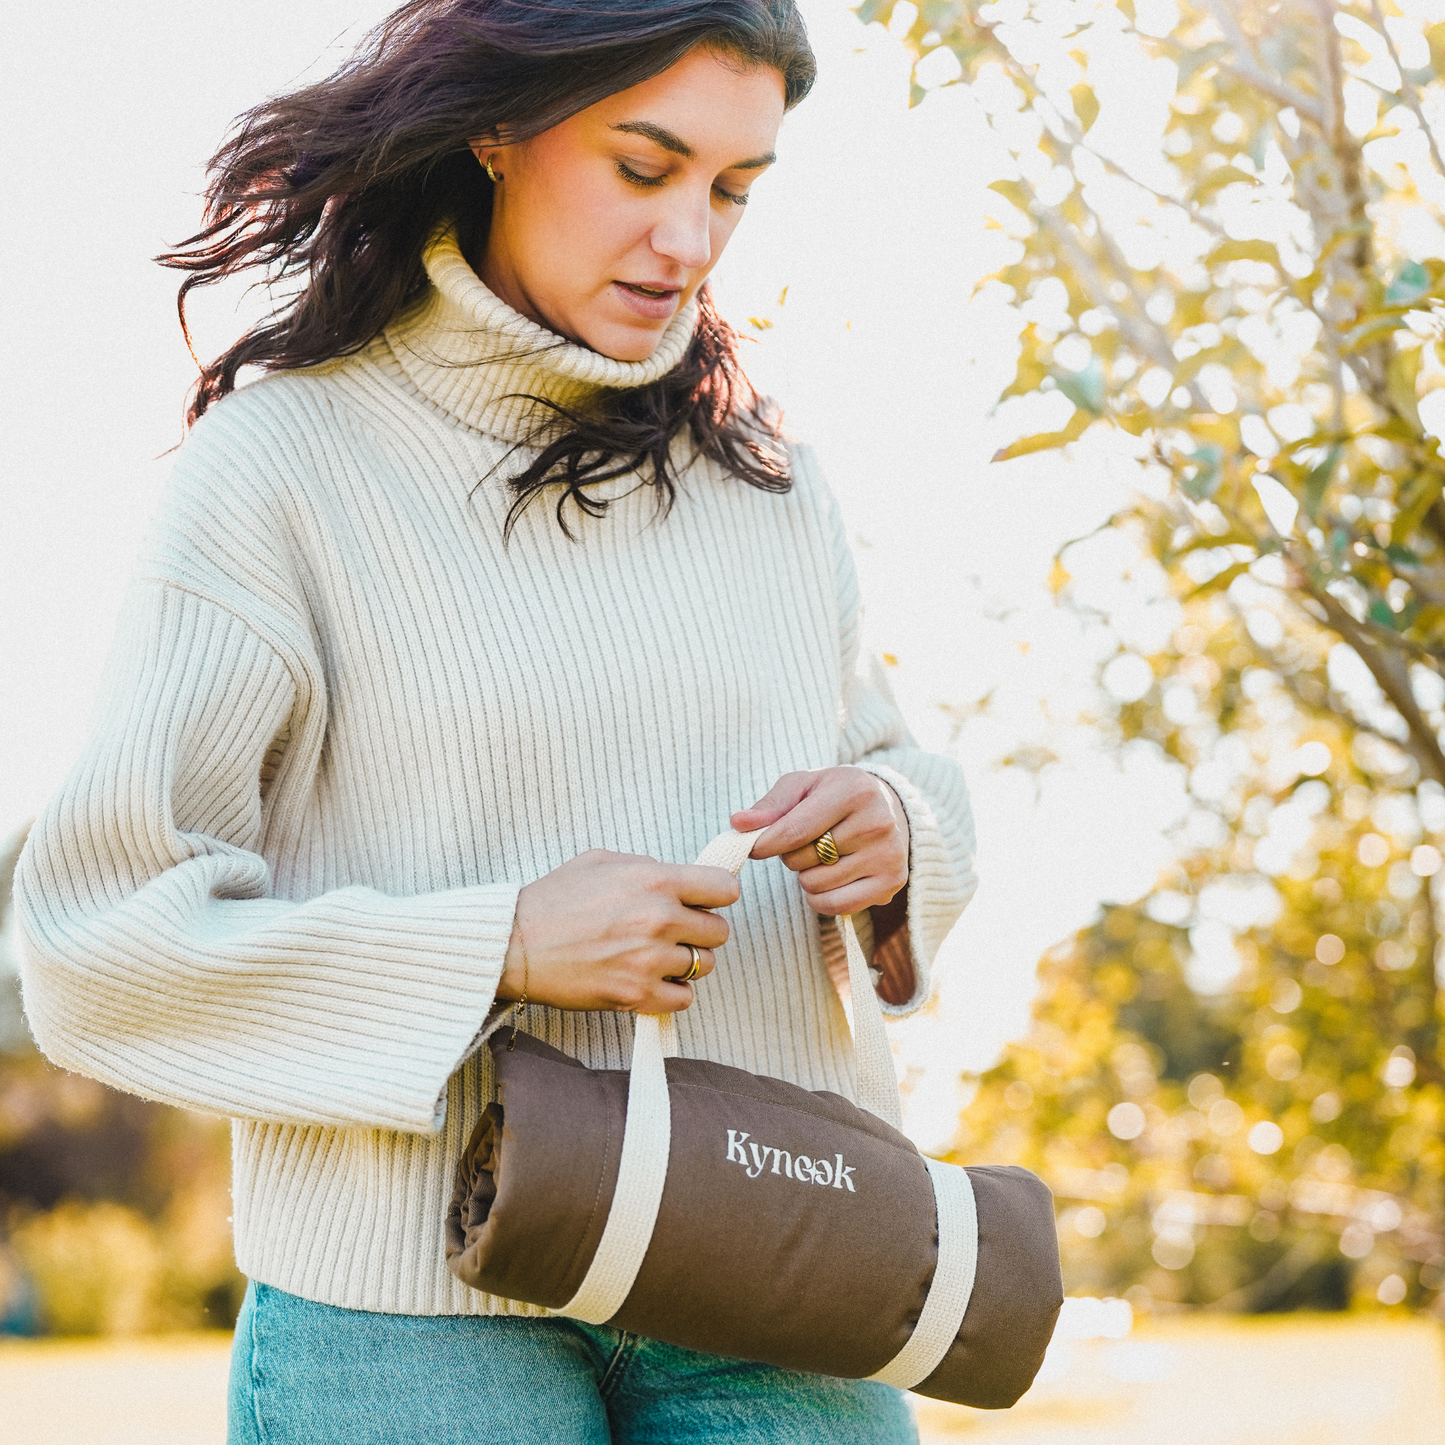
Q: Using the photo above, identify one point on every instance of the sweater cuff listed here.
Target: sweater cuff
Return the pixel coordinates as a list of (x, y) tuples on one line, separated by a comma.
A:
[(496, 1010), (928, 873)]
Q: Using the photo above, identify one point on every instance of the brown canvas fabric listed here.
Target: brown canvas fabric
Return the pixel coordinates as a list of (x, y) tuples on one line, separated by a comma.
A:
[(752, 1255), (1017, 1293), (794, 1228), (536, 1179)]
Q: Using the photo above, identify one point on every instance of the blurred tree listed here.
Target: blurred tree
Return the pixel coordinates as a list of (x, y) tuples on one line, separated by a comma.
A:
[(1258, 297), (1234, 1087), (1226, 250), (114, 1212)]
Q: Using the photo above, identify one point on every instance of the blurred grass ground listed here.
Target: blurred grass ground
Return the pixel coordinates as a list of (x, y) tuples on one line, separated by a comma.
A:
[(1285, 1380), (1290, 1381)]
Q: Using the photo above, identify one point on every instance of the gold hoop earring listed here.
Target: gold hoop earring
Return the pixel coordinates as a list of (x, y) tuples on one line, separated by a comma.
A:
[(491, 174)]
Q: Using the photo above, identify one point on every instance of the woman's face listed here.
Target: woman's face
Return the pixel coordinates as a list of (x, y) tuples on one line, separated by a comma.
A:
[(605, 226)]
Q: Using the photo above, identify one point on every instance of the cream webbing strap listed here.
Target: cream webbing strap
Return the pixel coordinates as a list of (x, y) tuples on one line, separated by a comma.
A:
[(952, 1283), (647, 1140), (641, 1173)]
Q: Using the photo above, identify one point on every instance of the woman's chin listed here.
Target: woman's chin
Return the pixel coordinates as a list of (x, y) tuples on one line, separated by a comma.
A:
[(631, 340)]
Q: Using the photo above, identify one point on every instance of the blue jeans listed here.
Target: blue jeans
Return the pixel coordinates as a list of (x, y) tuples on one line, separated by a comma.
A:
[(314, 1374)]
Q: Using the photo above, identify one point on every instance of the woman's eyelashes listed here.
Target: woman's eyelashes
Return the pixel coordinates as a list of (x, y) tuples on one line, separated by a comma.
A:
[(637, 178)]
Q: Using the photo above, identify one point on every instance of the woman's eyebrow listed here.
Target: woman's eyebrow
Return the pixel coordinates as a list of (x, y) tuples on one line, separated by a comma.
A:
[(661, 136)]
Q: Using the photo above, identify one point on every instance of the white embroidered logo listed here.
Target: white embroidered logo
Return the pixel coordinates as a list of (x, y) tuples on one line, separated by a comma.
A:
[(756, 1157)]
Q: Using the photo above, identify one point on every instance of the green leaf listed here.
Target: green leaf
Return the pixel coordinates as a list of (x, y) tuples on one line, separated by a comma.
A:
[(1410, 284), (1220, 177), (871, 10), (1435, 38), (1218, 582), (1417, 496), (1135, 422), (967, 53), (1193, 60), (1086, 104), (1221, 431), (1046, 441), (1318, 479), (1031, 371), (1226, 251), (1381, 615), (1401, 556), (1204, 480), (916, 94), (1375, 328), (1224, 353), (1084, 388), (1400, 384)]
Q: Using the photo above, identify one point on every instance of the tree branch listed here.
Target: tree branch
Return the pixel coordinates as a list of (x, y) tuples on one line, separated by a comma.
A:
[(1332, 81), (1153, 344), (1072, 137), (1389, 672), (1249, 69), (1408, 92)]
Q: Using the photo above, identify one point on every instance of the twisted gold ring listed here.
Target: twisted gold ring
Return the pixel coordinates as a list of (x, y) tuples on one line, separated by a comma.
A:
[(826, 849), (691, 974)]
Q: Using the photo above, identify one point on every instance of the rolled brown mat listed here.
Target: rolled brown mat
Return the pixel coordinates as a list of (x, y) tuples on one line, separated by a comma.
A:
[(794, 1228)]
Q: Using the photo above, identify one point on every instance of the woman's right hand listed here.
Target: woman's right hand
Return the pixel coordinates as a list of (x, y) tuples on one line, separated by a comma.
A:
[(611, 931)]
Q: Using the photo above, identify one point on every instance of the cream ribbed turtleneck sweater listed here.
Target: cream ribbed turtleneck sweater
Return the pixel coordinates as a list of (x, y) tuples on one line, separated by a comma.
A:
[(343, 723)]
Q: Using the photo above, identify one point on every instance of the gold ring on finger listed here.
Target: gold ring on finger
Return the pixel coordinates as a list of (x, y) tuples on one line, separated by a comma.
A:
[(826, 849), (696, 965)]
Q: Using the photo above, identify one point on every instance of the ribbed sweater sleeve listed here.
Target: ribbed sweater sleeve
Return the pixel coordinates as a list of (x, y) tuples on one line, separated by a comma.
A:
[(155, 953), (873, 736)]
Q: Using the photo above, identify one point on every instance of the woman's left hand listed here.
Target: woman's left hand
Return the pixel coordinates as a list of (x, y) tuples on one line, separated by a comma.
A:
[(869, 828)]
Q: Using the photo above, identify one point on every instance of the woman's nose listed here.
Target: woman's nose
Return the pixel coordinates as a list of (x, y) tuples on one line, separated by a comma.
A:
[(684, 232)]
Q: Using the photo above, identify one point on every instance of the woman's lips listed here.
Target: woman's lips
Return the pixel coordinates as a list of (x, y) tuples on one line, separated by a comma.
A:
[(656, 303)]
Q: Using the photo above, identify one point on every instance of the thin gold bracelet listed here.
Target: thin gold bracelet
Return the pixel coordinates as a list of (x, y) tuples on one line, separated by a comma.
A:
[(520, 1006)]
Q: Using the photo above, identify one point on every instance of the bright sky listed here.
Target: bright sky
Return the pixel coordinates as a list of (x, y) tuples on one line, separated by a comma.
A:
[(873, 221)]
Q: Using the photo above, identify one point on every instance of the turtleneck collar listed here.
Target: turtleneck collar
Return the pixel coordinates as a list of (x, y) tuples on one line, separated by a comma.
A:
[(469, 353)]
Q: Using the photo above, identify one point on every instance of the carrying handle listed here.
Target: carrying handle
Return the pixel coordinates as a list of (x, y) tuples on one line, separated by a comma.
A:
[(647, 1139), (877, 1079)]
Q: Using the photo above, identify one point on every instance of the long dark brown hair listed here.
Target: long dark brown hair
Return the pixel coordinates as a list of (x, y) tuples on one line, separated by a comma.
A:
[(336, 188)]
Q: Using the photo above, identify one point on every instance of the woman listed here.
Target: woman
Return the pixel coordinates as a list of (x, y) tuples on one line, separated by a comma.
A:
[(457, 636)]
